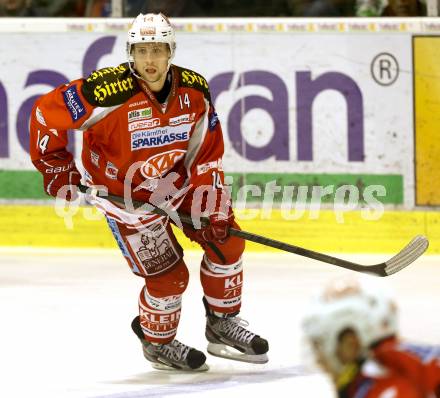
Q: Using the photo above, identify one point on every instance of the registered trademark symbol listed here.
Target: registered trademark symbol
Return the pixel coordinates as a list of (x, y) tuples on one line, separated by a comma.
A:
[(384, 69)]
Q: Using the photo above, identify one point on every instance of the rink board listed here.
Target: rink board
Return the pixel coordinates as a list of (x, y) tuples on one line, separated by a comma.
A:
[(40, 226), (343, 100)]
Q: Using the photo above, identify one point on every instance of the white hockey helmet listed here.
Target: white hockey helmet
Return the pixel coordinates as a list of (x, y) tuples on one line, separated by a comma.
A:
[(151, 28), (349, 304)]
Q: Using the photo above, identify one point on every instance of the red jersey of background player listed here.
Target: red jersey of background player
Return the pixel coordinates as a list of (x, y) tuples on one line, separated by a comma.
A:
[(399, 370), (418, 363), (371, 380)]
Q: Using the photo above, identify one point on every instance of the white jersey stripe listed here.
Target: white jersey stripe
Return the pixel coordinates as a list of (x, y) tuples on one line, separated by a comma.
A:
[(97, 115)]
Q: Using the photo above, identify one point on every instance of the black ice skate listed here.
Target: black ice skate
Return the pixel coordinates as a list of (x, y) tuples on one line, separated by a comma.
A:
[(229, 339), (171, 356)]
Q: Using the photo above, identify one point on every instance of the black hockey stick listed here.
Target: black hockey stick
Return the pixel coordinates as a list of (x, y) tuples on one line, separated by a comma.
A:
[(405, 257)]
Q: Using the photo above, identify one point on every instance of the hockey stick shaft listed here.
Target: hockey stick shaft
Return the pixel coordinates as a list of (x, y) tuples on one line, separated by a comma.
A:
[(378, 269)]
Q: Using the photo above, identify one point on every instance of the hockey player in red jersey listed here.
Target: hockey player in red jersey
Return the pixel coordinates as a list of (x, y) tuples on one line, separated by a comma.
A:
[(419, 363), (352, 330), (150, 132)]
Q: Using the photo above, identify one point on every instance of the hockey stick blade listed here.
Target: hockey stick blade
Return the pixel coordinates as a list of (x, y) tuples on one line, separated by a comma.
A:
[(405, 257), (411, 252)]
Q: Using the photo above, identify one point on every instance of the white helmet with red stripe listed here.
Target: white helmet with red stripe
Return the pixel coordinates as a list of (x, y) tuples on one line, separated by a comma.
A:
[(349, 304), (151, 28)]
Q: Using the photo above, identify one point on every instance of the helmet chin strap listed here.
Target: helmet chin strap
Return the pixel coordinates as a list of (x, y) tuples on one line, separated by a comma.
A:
[(134, 72)]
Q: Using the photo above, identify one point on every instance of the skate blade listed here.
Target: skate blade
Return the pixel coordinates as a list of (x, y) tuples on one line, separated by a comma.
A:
[(162, 366), (224, 351)]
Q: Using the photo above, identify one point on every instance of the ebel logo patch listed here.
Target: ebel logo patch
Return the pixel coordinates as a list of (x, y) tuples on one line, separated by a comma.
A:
[(139, 114), (73, 103), (159, 164), (94, 157), (187, 118), (160, 136), (144, 124)]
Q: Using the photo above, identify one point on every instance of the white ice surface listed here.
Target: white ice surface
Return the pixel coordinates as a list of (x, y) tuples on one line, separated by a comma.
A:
[(65, 325)]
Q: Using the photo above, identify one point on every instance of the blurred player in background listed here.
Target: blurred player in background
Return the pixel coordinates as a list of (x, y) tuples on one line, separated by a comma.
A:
[(151, 133), (352, 331)]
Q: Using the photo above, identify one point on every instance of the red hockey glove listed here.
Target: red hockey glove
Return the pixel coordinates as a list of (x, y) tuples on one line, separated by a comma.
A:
[(59, 170), (218, 228)]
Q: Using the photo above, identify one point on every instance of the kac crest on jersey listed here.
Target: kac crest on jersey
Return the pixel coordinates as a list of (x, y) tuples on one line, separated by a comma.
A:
[(158, 165)]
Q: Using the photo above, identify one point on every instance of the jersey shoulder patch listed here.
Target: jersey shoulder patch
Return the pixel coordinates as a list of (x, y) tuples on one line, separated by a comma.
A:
[(189, 78), (110, 86)]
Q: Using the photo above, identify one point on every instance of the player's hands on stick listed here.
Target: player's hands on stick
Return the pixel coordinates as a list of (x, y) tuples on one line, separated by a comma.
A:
[(402, 259), (60, 175), (218, 228)]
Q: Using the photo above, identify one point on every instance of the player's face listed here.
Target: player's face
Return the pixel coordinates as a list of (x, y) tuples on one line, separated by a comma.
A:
[(349, 347), (151, 62), (348, 351)]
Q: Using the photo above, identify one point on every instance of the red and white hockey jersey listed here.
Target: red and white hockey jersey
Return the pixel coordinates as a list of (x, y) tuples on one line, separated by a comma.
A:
[(372, 380), (415, 362), (130, 138)]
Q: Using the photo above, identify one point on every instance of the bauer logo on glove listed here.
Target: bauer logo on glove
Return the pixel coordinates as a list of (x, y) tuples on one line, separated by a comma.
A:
[(60, 175)]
